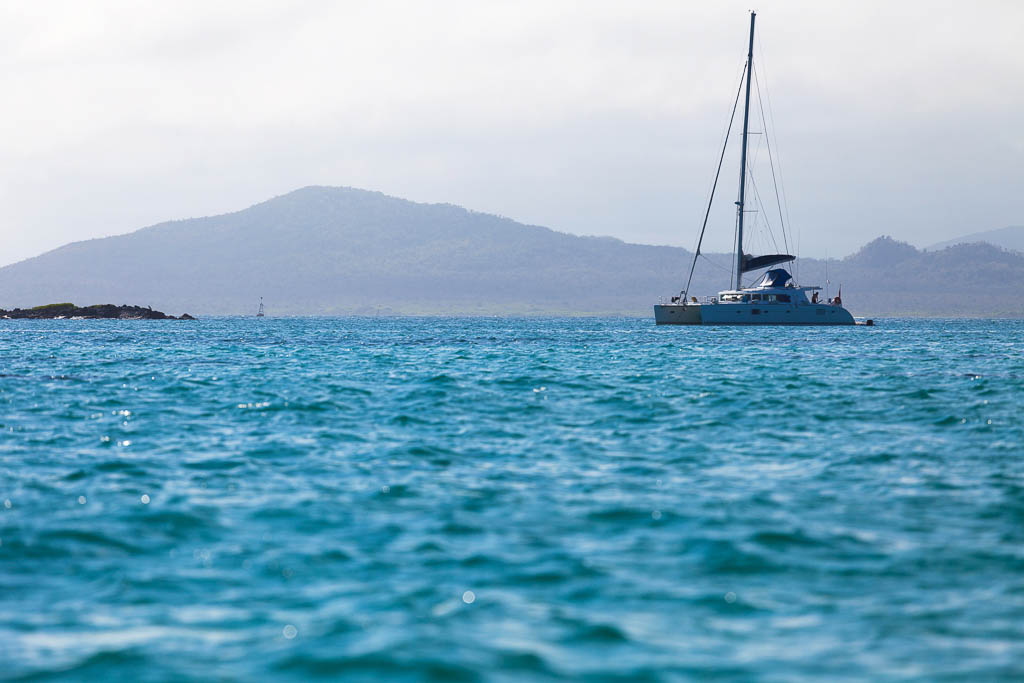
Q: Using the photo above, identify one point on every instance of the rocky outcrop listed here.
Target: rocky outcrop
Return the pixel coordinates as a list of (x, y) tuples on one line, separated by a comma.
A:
[(69, 311)]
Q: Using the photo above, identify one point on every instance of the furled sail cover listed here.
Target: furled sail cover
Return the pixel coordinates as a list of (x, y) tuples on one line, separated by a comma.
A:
[(756, 262), (776, 277)]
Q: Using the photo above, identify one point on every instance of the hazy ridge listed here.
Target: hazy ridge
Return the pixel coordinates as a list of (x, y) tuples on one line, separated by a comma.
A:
[(1010, 237), (322, 250)]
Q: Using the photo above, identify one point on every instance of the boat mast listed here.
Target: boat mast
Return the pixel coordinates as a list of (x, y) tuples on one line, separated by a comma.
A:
[(743, 159)]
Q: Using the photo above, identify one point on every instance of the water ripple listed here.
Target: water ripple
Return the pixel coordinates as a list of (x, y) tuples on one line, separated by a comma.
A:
[(504, 499)]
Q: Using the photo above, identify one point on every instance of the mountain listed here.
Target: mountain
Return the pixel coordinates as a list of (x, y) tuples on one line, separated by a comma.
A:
[(887, 277), (1007, 238), (333, 251), (323, 250)]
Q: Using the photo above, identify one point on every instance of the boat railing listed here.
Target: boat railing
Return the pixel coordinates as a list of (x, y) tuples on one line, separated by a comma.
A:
[(689, 300)]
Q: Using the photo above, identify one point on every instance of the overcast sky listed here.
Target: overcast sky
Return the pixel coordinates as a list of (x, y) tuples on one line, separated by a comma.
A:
[(900, 118)]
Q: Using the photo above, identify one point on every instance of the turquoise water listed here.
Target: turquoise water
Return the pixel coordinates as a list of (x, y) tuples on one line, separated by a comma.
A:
[(510, 499)]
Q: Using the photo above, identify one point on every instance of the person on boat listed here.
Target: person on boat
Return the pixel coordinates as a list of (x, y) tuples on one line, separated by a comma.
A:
[(814, 298)]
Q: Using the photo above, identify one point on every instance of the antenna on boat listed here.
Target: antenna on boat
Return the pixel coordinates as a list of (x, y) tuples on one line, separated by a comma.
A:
[(743, 159), (827, 281)]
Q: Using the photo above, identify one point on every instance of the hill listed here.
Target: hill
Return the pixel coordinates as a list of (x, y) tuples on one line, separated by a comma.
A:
[(887, 277), (333, 251), (1011, 237), (323, 250)]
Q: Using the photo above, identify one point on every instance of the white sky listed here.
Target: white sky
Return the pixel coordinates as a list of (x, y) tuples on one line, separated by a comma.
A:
[(902, 118)]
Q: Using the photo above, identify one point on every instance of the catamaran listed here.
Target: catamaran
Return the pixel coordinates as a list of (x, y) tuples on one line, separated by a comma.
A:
[(774, 299)]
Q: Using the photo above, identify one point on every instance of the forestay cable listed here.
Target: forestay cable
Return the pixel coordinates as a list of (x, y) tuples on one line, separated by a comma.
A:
[(714, 186)]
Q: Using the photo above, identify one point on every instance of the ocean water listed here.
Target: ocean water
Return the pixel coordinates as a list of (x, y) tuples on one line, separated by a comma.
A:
[(510, 499)]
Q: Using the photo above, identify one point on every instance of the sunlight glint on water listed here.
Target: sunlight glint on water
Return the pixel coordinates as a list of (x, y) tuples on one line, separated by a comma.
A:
[(524, 498)]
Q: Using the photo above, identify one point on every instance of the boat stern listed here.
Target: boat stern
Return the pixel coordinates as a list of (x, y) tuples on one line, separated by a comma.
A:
[(677, 314)]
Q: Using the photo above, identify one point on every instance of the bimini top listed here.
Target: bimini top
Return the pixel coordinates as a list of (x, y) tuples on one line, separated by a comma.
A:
[(777, 277), (759, 262)]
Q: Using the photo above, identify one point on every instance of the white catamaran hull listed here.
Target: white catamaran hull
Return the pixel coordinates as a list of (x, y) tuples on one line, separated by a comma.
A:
[(746, 314)]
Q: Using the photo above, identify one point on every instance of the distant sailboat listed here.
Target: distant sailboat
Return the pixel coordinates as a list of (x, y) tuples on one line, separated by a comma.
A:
[(259, 313)]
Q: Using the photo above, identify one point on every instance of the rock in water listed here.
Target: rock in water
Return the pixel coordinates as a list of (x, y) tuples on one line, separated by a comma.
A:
[(68, 310)]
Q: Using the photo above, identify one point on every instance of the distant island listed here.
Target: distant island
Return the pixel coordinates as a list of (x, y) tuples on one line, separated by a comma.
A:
[(344, 251), (1011, 238), (70, 311)]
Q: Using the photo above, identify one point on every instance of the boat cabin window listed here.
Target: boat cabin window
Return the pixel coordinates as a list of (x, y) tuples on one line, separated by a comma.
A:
[(784, 298), (756, 297)]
